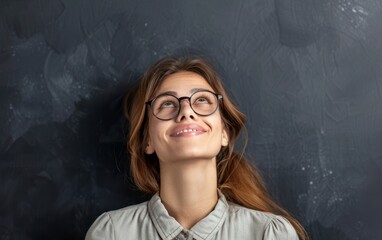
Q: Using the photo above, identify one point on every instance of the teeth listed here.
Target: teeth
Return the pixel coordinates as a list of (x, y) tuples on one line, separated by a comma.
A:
[(186, 130)]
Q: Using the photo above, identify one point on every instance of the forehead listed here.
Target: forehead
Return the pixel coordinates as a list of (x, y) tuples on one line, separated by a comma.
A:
[(183, 82)]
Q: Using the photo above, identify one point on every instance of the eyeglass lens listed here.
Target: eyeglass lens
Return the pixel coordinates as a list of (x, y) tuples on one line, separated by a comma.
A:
[(167, 106)]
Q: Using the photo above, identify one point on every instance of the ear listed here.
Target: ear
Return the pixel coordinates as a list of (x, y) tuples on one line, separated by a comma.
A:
[(225, 138), (149, 148)]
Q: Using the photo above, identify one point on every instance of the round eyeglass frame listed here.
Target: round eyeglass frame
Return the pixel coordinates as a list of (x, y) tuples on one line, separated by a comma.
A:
[(218, 97)]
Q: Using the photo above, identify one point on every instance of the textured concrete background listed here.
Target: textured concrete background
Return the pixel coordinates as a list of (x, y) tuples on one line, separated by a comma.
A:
[(306, 72)]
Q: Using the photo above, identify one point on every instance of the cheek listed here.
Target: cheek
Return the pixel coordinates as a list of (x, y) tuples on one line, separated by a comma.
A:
[(216, 125), (152, 126), (156, 132), (219, 121)]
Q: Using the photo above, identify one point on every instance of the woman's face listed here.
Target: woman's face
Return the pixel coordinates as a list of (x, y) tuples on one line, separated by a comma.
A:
[(167, 138)]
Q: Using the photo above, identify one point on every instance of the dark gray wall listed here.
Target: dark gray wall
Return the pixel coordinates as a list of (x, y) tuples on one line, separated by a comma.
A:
[(306, 72)]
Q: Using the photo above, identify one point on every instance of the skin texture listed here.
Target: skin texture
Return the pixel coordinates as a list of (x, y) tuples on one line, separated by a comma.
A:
[(188, 187)]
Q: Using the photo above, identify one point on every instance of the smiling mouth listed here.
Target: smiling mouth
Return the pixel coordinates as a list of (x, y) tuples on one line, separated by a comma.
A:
[(187, 133), (185, 130)]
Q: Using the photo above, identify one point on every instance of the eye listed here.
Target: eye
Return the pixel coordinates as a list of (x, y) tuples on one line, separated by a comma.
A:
[(201, 100), (204, 98), (167, 104)]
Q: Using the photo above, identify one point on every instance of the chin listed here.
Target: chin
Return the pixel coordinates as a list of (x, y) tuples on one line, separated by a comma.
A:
[(194, 155)]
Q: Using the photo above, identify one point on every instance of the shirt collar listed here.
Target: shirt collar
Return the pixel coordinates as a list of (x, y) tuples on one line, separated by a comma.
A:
[(168, 228)]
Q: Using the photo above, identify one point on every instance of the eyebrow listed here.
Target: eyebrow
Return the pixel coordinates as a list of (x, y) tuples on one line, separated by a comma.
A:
[(191, 91)]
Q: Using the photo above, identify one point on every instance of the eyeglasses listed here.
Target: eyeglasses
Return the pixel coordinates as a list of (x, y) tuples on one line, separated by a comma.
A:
[(167, 106)]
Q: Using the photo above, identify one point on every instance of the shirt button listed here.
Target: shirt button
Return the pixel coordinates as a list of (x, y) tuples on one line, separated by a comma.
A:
[(185, 234)]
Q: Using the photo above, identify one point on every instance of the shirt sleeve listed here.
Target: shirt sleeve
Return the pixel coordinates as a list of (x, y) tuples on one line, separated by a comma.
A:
[(280, 229), (102, 228)]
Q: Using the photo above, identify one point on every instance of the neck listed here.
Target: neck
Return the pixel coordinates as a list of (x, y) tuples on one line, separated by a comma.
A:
[(188, 189)]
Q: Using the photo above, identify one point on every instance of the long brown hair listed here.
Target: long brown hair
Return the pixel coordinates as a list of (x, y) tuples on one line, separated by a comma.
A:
[(238, 180)]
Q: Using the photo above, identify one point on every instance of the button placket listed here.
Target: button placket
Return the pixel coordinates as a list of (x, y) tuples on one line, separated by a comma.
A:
[(184, 235)]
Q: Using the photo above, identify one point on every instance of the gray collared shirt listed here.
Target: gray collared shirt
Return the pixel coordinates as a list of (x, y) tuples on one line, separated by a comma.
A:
[(150, 220)]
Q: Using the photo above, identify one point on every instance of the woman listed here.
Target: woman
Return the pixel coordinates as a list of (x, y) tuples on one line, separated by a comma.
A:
[(183, 131)]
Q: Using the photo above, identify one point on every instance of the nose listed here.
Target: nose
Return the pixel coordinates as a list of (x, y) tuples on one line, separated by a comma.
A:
[(185, 111)]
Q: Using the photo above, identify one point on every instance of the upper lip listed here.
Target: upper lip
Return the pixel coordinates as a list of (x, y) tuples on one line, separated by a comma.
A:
[(186, 126)]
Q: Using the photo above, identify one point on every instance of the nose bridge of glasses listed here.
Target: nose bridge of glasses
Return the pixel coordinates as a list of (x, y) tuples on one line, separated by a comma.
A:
[(184, 98), (186, 109)]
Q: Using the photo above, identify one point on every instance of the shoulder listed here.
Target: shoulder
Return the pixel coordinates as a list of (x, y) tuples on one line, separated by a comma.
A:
[(272, 226), (108, 224), (133, 212)]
